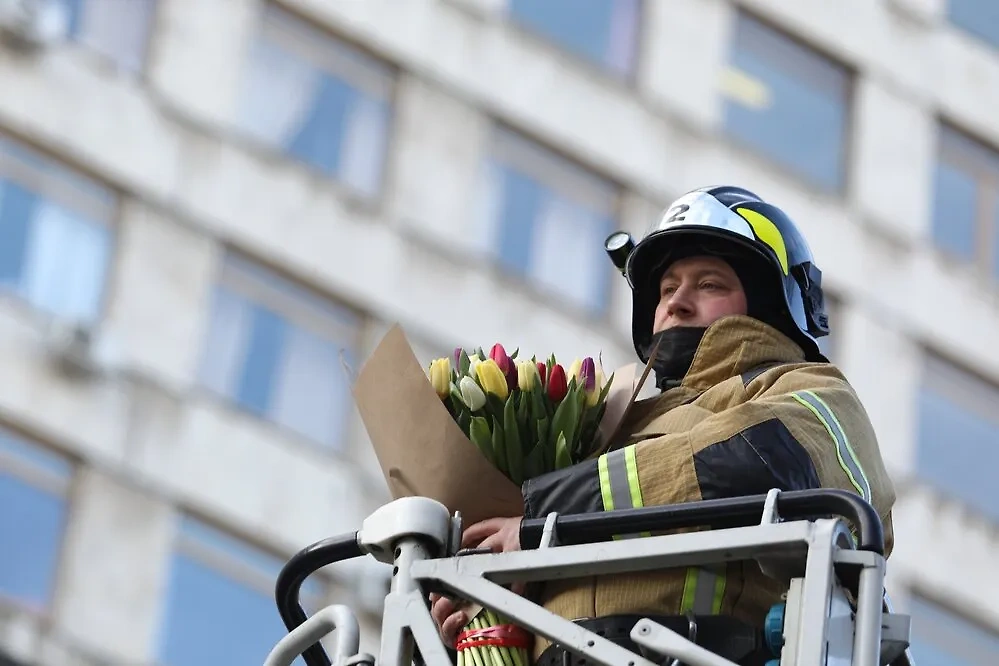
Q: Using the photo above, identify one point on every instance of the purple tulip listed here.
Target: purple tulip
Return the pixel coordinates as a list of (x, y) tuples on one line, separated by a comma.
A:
[(589, 374)]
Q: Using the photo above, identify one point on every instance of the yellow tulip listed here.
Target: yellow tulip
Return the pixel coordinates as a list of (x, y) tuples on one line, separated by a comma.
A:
[(598, 386), (492, 379), (440, 376), (576, 370)]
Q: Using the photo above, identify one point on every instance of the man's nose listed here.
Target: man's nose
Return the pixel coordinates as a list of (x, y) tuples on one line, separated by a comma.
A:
[(680, 304)]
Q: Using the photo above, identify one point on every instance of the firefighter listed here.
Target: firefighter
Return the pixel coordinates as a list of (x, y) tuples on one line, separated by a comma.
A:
[(728, 303)]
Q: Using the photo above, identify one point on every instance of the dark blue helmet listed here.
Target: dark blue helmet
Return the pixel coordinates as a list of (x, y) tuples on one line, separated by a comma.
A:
[(763, 244)]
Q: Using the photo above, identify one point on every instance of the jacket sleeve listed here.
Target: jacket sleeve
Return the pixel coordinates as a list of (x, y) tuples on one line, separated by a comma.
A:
[(804, 429)]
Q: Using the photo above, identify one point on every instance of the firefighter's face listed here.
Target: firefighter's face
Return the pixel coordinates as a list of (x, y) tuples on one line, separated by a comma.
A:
[(696, 291)]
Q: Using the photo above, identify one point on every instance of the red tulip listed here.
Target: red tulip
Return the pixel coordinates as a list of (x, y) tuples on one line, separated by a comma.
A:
[(557, 385), (506, 365), (498, 354), (543, 373)]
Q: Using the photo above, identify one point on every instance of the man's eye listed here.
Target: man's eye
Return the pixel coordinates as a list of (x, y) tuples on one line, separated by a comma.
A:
[(668, 290), (709, 285)]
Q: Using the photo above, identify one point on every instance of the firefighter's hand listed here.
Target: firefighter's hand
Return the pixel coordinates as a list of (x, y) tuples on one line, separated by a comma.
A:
[(449, 618), (500, 535)]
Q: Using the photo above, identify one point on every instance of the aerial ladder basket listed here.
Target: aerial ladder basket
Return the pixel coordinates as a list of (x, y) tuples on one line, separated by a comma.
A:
[(825, 546)]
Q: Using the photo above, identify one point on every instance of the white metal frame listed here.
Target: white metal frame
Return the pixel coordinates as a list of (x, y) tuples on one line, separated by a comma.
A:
[(821, 625)]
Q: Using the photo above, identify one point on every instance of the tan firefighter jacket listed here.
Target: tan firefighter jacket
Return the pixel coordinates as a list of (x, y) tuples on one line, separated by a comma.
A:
[(749, 415)]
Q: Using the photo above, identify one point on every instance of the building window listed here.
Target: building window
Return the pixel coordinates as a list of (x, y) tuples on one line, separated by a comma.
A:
[(966, 200), (943, 638), (545, 218), (219, 606), (958, 429), (55, 236), (117, 29), (274, 348), (319, 100), (33, 486), (788, 102), (978, 17), (602, 31)]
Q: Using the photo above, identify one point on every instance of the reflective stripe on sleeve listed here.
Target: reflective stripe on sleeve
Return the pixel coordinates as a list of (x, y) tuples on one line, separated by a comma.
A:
[(844, 452), (619, 487)]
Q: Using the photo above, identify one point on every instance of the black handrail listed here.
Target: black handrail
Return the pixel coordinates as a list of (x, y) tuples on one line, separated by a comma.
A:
[(731, 512), (288, 588)]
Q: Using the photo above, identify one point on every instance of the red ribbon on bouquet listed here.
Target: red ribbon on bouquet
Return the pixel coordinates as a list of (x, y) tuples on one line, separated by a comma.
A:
[(503, 635)]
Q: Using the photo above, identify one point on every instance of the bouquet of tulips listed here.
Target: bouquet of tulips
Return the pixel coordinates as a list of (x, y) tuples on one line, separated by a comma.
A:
[(527, 418)]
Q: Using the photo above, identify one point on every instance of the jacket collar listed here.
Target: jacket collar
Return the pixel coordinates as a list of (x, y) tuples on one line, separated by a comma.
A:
[(734, 345), (730, 346)]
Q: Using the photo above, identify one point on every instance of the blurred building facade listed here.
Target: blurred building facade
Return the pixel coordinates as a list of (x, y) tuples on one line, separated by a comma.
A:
[(211, 211)]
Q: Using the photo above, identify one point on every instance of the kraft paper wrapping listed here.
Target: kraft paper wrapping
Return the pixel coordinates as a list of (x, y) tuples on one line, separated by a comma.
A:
[(422, 451)]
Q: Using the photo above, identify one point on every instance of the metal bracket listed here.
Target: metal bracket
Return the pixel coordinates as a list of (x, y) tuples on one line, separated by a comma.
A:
[(770, 515), (691, 635), (454, 539), (419, 517), (338, 618), (666, 642), (549, 537)]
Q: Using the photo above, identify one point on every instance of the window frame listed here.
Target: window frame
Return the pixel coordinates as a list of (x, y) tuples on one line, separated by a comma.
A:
[(106, 58), (38, 169), (60, 485), (222, 552), (966, 152), (510, 147), (961, 385), (629, 78), (253, 287), (189, 542), (971, 32), (335, 54), (841, 188)]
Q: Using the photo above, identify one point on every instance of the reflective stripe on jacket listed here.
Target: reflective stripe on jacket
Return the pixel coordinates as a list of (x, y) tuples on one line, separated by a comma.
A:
[(750, 415)]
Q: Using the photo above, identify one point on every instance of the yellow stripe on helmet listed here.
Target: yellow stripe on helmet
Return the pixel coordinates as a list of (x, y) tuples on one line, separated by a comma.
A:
[(767, 232)]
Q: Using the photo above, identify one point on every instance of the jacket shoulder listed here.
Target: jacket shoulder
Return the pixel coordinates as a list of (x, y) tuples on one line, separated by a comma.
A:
[(790, 377)]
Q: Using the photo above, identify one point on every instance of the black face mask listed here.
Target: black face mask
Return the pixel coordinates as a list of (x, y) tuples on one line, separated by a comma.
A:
[(675, 353)]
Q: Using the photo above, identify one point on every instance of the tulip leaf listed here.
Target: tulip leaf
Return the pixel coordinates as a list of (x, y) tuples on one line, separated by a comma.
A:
[(534, 462), (494, 405), (588, 433), (464, 420), (562, 458), (480, 435), (514, 450), (499, 447), (543, 444), (566, 418), (513, 356), (456, 395), (524, 420), (539, 401), (463, 363)]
